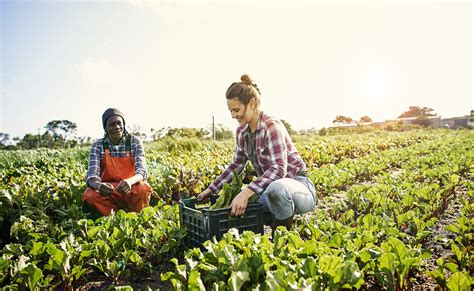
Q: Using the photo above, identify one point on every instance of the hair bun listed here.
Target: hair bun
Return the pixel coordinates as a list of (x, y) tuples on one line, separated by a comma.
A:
[(246, 79)]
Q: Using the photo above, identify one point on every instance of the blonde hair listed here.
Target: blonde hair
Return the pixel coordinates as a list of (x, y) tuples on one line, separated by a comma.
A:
[(244, 91)]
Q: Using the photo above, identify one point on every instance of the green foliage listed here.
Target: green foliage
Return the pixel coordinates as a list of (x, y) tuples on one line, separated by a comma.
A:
[(288, 127), (186, 132), (223, 133), (228, 193), (174, 144), (383, 194), (4, 138)]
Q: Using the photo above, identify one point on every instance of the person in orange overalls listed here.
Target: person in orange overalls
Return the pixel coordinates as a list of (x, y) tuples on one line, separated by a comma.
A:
[(117, 169)]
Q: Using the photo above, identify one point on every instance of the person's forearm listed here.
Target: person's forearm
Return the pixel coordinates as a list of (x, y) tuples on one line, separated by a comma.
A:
[(94, 183), (248, 192), (135, 179)]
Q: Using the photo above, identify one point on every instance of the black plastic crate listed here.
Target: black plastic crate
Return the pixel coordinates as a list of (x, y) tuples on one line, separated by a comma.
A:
[(202, 224)]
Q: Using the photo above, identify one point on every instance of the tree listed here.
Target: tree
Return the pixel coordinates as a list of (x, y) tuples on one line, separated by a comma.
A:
[(223, 132), (365, 119), (85, 140), (421, 115), (29, 141), (4, 137), (157, 134), (61, 130), (417, 111), (343, 119), (136, 130), (290, 130), (47, 140)]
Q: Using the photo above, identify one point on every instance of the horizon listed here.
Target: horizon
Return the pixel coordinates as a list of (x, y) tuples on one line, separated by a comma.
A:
[(168, 64)]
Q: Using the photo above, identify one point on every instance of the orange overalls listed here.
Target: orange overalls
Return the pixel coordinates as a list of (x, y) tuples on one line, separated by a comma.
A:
[(113, 170)]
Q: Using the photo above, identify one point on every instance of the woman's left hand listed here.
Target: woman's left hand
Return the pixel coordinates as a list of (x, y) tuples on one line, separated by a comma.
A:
[(239, 204)]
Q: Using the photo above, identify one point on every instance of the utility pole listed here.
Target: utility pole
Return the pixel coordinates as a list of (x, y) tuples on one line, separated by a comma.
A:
[(213, 128)]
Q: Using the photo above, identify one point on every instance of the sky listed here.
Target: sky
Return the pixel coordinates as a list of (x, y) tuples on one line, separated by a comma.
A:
[(169, 63)]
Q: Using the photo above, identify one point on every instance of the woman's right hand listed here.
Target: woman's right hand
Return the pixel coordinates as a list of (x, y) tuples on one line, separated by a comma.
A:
[(204, 195)]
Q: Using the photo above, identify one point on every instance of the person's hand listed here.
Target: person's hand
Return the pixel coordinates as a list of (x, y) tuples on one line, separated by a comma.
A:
[(239, 204), (106, 189), (204, 195), (124, 187)]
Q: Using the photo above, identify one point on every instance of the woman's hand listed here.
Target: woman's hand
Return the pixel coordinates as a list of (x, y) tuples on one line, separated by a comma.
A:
[(239, 204), (106, 189), (124, 187), (204, 195)]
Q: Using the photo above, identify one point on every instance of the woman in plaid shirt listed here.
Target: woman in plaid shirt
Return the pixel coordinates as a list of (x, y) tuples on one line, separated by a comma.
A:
[(282, 182)]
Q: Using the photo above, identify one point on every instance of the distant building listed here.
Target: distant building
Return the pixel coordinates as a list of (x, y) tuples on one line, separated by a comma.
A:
[(344, 125), (470, 121), (458, 122), (455, 122)]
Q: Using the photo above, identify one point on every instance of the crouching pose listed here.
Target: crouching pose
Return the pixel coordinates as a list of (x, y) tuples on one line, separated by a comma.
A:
[(282, 183), (117, 169)]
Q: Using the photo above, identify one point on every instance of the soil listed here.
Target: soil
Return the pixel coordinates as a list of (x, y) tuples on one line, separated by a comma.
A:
[(439, 241), (150, 282)]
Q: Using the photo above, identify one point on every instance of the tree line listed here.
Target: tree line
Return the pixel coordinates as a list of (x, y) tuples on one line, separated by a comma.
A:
[(421, 115), (58, 134), (62, 133)]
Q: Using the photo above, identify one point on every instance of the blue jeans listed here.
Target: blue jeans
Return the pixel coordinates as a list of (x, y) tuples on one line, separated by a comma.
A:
[(288, 196)]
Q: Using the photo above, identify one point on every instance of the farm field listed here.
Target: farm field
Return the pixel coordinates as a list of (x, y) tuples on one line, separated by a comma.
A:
[(395, 212)]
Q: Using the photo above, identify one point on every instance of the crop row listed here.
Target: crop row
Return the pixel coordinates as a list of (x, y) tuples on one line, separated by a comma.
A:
[(376, 236), (391, 190)]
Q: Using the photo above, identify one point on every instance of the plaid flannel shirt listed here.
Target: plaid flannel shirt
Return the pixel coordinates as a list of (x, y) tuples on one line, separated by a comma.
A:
[(97, 153), (274, 152)]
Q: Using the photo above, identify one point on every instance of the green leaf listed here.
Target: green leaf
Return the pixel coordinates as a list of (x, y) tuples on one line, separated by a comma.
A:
[(123, 288), (14, 249), (309, 269), (237, 279), (180, 269), (37, 249), (364, 256), (277, 280), (351, 275), (459, 281), (20, 264), (34, 276), (457, 252), (388, 267), (452, 267), (85, 254), (452, 228), (195, 282), (135, 258), (330, 264), (336, 241), (438, 276), (398, 248)]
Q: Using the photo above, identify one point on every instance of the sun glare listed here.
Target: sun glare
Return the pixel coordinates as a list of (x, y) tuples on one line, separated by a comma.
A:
[(378, 85)]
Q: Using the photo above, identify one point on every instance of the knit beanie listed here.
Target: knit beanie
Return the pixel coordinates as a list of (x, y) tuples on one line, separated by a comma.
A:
[(109, 113)]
